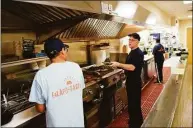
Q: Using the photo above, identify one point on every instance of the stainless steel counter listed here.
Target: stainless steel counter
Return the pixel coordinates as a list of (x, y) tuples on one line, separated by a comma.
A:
[(22, 117)]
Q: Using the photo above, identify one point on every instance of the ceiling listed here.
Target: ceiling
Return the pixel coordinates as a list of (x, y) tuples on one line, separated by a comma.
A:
[(175, 8)]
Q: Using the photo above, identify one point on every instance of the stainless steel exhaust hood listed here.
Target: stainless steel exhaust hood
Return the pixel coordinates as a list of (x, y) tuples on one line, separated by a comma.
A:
[(121, 11), (109, 25), (93, 29), (56, 21)]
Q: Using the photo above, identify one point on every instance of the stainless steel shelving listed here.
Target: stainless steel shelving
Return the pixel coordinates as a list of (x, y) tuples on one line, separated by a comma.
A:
[(24, 61)]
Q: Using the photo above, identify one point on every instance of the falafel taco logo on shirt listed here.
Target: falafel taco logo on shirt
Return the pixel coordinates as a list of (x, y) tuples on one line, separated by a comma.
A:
[(70, 84)]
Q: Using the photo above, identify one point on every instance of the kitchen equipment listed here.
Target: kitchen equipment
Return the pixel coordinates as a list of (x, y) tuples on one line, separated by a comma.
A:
[(98, 56), (109, 79), (122, 57), (15, 100), (94, 94), (107, 107), (102, 109), (118, 57), (114, 57), (123, 96), (17, 93), (6, 116), (97, 71), (119, 103), (28, 48)]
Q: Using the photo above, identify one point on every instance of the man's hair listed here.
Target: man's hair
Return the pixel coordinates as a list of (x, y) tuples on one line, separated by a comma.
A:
[(53, 55), (157, 40), (53, 47), (135, 36)]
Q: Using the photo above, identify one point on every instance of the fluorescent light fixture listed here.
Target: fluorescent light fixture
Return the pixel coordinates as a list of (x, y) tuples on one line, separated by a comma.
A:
[(187, 2), (126, 9), (190, 16), (151, 19)]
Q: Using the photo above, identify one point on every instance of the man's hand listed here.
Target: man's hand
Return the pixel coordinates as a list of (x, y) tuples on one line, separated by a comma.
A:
[(115, 64), (161, 50), (86, 99)]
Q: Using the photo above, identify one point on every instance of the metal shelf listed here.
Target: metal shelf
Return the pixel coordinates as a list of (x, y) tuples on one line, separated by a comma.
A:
[(25, 61)]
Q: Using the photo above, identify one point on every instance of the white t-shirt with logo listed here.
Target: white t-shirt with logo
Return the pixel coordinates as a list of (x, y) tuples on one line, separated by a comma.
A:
[(59, 86)]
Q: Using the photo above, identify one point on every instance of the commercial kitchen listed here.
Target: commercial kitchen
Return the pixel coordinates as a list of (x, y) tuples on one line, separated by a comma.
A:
[(97, 34)]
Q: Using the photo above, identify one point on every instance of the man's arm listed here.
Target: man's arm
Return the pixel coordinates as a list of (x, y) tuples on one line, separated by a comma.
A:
[(36, 94), (134, 62), (129, 67), (40, 108), (154, 50), (161, 50)]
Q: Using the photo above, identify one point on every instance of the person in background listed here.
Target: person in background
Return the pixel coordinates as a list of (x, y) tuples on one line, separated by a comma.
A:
[(158, 52), (133, 67), (57, 88), (174, 43)]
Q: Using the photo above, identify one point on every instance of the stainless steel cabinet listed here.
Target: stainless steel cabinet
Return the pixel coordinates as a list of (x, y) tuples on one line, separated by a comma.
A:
[(150, 68), (153, 67), (148, 71), (143, 75)]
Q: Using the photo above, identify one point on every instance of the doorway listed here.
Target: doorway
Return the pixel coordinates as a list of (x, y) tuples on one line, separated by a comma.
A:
[(124, 49)]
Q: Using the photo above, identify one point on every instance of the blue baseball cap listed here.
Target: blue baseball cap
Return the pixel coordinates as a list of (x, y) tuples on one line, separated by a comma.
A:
[(54, 46)]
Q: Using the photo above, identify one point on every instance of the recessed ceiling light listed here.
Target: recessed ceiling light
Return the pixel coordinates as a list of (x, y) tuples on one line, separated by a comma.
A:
[(190, 16), (187, 2)]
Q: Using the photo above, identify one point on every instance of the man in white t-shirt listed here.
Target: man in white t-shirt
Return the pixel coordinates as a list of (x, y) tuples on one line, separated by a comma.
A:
[(57, 89)]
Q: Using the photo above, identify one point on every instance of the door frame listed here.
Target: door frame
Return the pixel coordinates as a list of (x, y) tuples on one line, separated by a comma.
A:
[(186, 39), (186, 32)]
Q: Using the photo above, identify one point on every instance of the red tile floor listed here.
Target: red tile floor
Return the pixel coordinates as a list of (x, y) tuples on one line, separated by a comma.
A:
[(149, 96)]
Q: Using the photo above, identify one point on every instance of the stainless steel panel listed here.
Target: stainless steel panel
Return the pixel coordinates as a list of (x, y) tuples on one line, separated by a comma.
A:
[(93, 29)]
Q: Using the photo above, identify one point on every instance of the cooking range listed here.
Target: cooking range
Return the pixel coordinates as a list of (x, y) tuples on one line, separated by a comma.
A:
[(101, 84), (94, 72)]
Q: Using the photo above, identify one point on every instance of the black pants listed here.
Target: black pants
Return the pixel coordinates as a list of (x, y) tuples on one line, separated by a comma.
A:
[(134, 104), (85, 122), (159, 70)]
